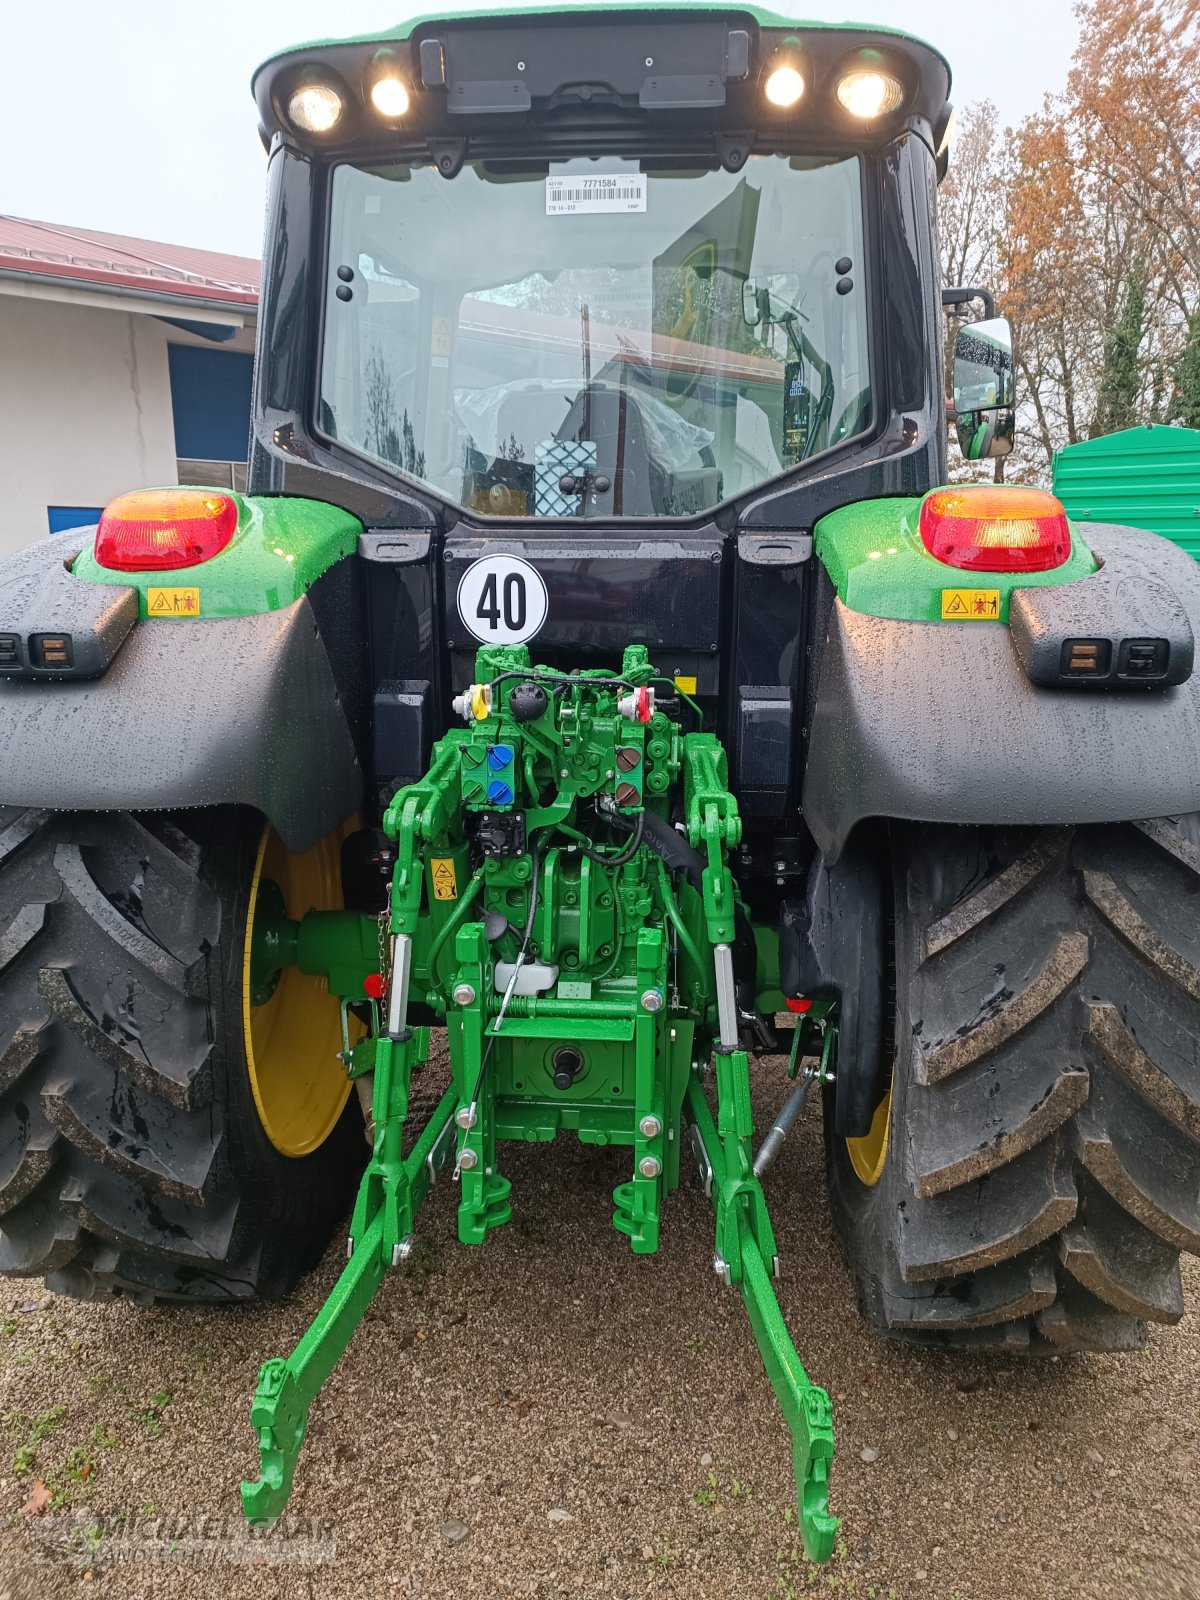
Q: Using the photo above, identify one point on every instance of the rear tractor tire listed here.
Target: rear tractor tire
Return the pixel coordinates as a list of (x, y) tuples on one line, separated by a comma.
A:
[(161, 1135), (1033, 1172)]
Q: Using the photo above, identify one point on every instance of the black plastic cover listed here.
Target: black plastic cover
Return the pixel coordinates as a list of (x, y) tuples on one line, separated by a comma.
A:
[(192, 712), (938, 722), (605, 590), (1122, 628), (766, 661), (764, 748), (676, 62), (54, 627), (403, 731)]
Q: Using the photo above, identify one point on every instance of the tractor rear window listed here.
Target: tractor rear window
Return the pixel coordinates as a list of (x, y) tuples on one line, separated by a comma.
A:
[(596, 337)]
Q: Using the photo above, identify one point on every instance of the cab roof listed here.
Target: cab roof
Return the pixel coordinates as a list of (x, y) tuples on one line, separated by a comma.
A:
[(766, 19), (477, 70)]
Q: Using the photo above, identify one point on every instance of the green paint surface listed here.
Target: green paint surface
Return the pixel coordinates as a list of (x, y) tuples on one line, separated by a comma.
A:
[(281, 547), (773, 20), (879, 565), (1140, 478)]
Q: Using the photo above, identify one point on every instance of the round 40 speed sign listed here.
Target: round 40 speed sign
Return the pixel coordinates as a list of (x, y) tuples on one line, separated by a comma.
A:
[(502, 599)]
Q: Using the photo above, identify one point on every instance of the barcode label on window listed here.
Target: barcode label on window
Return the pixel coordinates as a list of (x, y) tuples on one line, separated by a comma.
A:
[(623, 191)]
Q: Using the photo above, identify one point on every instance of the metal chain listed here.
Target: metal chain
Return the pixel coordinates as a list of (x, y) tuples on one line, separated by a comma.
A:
[(383, 923)]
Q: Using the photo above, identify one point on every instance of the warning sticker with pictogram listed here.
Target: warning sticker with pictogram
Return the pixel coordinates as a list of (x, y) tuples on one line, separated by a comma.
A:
[(172, 602), (445, 880), (440, 341), (970, 605)]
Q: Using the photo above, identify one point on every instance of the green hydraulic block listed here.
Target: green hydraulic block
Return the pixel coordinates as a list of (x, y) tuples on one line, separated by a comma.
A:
[(745, 1245), (286, 1389)]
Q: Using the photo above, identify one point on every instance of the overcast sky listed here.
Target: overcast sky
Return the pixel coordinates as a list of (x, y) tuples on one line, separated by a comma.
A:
[(136, 116)]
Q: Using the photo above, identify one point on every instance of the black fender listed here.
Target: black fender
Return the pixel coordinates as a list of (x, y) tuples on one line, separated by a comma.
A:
[(190, 712), (940, 721), (833, 946)]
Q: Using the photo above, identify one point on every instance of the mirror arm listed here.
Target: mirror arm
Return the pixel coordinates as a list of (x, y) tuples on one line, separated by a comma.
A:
[(962, 297)]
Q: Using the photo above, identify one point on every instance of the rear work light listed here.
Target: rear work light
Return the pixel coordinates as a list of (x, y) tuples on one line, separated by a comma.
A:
[(157, 530), (991, 529)]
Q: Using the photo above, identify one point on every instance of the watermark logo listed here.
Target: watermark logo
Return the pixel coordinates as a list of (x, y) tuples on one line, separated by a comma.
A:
[(164, 1540)]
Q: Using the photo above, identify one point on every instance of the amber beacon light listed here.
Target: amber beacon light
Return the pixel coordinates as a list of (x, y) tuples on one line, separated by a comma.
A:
[(159, 530), (981, 528)]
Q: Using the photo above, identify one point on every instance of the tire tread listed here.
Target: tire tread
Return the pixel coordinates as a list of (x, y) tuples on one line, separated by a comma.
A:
[(131, 1159), (1045, 1148)]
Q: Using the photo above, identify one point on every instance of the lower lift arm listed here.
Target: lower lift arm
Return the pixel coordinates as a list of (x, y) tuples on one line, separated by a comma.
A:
[(742, 1229), (286, 1389), (745, 1253)]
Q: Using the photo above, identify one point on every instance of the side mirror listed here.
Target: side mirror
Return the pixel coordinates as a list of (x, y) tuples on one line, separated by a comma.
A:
[(761, 308), (985, 391)]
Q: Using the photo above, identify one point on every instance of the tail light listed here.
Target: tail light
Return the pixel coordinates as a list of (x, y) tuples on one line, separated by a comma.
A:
[(157, 530), (992, 529)]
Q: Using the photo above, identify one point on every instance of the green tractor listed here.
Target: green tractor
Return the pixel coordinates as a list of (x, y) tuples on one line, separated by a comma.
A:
[(596, 678)]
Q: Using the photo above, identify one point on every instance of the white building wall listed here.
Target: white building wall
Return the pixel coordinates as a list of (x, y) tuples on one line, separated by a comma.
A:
[(85, 407)]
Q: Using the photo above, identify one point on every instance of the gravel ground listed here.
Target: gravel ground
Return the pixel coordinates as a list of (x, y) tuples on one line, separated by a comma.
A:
[(550, 1416)]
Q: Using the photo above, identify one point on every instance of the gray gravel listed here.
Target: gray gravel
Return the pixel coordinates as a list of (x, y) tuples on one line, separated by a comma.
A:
[(549, 1416)]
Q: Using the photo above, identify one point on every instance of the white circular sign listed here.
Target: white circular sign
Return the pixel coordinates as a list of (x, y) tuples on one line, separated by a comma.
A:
[(502, 599)]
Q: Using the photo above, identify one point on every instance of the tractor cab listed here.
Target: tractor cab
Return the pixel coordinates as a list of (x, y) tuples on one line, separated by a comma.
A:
[(558, 267)]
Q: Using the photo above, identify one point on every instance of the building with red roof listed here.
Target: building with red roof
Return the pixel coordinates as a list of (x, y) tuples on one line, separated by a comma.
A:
[(124, 363)]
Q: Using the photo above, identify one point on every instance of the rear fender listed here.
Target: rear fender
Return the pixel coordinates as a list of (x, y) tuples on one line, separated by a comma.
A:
[(189, 710), (940, 722)]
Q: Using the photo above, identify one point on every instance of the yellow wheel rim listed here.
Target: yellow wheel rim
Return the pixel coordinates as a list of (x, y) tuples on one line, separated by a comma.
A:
[(293, 1040), (868, 1155)]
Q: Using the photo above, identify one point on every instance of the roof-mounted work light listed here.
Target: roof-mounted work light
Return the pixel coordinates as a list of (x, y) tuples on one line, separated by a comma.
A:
[(784, 86), (315, 107), (869, 93), (390, 96)]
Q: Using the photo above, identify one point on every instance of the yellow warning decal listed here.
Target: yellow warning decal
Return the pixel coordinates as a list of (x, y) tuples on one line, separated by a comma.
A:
[(445, 880), (970, 605), (441, 339), (172, 602), (687, 685)]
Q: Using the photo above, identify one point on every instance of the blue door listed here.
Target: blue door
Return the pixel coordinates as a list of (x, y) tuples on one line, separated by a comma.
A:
[(63, 517)]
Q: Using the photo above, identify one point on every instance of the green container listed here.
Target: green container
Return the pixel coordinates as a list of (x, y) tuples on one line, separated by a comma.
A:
[(1141, 478)]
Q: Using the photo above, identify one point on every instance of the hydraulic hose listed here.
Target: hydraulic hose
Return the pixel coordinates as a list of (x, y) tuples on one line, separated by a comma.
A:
[(675, 917), (670, 846), (509, 992), (630, 850), (452, 921), (679, 856)]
